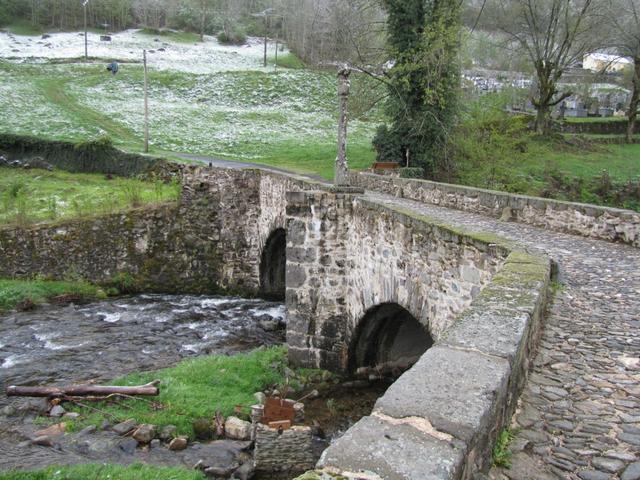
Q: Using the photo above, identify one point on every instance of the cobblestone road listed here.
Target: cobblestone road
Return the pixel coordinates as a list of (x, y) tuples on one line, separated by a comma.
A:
[(579, 415)]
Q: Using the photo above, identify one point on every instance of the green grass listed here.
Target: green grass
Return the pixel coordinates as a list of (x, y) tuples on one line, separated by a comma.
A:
[(106, 472), (286, 60), (23, 27), (31, 196), (14, 292), (318, 158), (195, 388), (171, 35)]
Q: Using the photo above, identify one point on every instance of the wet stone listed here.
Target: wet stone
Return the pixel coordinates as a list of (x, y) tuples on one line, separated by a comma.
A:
[(125, 427), (607, 464), (632, 472), (594, 475)]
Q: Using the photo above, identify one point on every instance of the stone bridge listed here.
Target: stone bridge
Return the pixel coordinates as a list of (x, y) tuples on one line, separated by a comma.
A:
[(450, 281)]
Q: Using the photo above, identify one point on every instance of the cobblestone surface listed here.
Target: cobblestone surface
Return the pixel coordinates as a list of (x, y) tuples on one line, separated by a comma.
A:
[(579, 414)]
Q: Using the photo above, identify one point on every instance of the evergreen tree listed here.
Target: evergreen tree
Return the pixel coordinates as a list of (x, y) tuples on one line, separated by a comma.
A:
[(423, 84)]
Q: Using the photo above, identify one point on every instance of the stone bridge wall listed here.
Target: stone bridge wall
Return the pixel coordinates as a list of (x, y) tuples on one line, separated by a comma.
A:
[(346, 255), (580, 219), (441, 418), (210, 241)]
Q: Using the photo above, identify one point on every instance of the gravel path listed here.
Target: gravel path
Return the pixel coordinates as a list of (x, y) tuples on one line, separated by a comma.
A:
[(579, 414)]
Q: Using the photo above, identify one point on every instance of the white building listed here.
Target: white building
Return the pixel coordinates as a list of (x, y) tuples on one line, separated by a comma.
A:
[(604, 62)]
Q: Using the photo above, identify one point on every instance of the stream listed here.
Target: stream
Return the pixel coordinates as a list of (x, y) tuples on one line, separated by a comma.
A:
[(77, 343), (59, 345)]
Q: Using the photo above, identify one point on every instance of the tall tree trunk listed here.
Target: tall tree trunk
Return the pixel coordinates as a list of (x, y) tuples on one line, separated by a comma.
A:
[(635, 102), (203, 20), (543, 119)]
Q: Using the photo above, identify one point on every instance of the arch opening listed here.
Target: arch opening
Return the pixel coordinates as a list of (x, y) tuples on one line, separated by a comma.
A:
[(273, 264), (388, 341)]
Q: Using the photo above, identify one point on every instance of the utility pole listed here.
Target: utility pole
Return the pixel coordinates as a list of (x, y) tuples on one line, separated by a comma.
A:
[(266, 19), (146, 103), (86, 49), (341, 175), (276, 64)]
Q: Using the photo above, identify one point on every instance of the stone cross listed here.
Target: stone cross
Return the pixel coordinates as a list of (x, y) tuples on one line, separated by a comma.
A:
[(341, 177)]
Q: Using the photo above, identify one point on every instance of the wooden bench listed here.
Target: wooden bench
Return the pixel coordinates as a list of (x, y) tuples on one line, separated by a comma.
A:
[(386, 166)]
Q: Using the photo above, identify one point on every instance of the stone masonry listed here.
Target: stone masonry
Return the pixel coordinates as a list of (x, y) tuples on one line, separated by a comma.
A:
[(346, 256)]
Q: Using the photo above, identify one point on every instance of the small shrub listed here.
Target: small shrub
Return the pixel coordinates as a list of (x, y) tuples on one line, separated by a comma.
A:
[(124, 282), (232, 35), (290, 60), (52, 208), (412, 172), (501, 452)]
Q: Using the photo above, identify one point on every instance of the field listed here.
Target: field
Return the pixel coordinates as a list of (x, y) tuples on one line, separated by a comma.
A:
[(31, 196), (204, 99), (219, 101)]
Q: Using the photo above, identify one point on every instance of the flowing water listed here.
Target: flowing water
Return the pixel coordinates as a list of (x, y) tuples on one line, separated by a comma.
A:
[(107, 339), (104, 340)]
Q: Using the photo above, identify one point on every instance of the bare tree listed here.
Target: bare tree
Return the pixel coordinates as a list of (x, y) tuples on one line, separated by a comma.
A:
[(555, 35), (623, 18)]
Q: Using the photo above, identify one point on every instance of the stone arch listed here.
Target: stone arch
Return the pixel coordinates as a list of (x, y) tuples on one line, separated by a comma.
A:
[(273, 263), (388, 334)]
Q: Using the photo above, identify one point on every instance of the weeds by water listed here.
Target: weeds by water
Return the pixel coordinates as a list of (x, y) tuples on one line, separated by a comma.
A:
[(16, 292), (195, 388), (106, 472)]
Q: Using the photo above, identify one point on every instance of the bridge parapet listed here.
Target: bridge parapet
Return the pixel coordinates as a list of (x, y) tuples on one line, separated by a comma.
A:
[(479, 296), (602, 223)]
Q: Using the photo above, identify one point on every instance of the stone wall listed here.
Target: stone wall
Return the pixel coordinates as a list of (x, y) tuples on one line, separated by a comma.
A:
[(346, 255), (210, 242), (581, 219), (604, 127), (84, 157), (441, 418)]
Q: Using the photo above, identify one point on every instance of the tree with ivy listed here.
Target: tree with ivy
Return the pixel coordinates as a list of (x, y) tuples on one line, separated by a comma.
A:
[(423, 83)]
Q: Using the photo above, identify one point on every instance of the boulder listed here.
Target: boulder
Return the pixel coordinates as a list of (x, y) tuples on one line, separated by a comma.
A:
[(56, 411), (145, 433), (128, 446), (178, 443), (223, 471), (245, 472), (125, 427), (237, 429), (52, 431), (43, 441)]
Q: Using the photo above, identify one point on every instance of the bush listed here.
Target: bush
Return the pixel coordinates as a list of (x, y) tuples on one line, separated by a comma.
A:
[(412, 172), (232, 35)]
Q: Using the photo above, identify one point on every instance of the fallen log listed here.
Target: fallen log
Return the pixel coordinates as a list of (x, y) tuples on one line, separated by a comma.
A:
[(83, 390), (393, 368)]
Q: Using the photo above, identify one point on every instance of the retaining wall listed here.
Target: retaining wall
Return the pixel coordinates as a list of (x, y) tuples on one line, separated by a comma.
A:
[(614, 127), (602, 223), (89, 157)]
